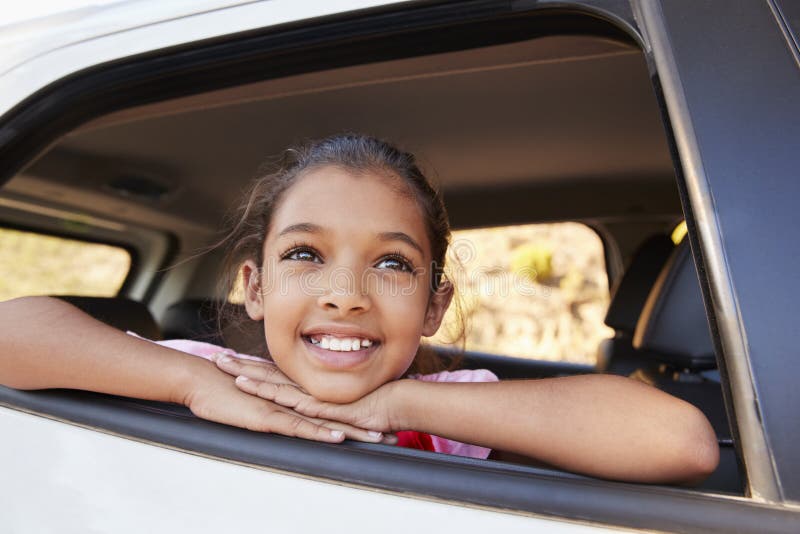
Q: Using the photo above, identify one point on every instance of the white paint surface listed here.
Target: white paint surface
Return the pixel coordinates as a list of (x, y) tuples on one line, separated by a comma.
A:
[(57, 477), (45, 50)]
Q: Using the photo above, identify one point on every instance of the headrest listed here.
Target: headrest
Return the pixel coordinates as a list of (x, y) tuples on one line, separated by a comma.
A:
[(191, 319), (197, 319), (673, 325), (629, 296), (119, 312)]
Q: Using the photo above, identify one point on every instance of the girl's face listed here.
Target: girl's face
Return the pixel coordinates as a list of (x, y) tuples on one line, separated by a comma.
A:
[(344, 291)]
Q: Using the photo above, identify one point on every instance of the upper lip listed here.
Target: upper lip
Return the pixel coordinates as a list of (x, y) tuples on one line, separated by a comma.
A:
[(340, 330)]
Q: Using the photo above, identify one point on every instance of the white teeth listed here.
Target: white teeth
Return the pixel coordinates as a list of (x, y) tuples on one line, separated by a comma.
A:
[(345, 344)]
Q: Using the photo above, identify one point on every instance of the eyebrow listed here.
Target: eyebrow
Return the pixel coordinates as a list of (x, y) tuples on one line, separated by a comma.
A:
[(400, 236), (310, 228), (305, 228)]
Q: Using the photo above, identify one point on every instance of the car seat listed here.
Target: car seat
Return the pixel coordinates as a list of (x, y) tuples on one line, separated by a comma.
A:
[(617, 354), (119, 312), (196, 319), (674, 329)]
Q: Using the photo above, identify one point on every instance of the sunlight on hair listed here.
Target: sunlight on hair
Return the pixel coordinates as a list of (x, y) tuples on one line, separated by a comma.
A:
[(236, 294)]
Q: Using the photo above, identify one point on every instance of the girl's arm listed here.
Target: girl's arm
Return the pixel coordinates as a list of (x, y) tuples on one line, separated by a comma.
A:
[(48, 343), (600, 425)]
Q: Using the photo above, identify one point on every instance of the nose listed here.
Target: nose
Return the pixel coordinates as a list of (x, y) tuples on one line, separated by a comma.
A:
[(345, 295)]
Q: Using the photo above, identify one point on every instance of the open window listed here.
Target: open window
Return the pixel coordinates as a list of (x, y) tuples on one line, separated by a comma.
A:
[(39, 264), (533, 117), (531, 291)]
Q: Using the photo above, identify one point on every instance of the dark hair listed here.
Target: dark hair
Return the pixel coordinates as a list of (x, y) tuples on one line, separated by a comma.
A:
[(353, 152)]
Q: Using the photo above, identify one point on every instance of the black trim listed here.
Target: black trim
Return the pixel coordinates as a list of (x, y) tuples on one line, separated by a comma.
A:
[(693, 238), (487, 483)]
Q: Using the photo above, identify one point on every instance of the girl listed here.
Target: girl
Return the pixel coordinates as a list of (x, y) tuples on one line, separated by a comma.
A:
[(341, 252)]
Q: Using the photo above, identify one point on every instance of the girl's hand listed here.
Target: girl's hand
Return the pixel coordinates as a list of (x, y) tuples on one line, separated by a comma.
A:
[(215, 397), (374, 411), (257, 370)]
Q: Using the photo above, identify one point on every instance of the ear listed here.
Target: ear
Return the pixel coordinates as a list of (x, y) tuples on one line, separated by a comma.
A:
[(253, 298), (437, 306)]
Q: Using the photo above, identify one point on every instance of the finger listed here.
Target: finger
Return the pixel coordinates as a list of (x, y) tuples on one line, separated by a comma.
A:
[(265, 371), (389, 439), (294, 425), (342, 415), (351, 432), (283, 394), (290, 397)]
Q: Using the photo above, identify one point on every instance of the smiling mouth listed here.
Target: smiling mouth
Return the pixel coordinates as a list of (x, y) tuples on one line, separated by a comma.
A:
[(340, 343), (340, 352)]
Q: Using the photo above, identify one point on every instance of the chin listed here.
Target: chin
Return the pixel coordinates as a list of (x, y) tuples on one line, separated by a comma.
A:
[(336, 393)]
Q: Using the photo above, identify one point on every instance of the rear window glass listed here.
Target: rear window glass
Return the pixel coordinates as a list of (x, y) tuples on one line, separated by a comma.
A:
[(39, 264), (537, 291)]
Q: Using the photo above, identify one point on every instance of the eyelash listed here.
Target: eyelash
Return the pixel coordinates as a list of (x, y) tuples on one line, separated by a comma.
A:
[(405, 264), (299, 248)]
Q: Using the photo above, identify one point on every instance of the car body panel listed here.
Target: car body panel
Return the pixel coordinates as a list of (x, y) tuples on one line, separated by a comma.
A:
[(91, 481), (734, 113), (122, 30)]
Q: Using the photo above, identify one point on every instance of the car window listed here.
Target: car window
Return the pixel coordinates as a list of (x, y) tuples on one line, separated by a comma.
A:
[(537, 291), (38, 264)]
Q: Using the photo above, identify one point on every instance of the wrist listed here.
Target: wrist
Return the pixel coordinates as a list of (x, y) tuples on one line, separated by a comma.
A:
[(404, 409), (189, 375)]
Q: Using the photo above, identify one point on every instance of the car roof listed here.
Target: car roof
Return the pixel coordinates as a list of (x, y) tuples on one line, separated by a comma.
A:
[(542, 114)]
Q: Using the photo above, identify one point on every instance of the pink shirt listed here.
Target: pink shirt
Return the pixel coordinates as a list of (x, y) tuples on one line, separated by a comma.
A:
[(207, 350)]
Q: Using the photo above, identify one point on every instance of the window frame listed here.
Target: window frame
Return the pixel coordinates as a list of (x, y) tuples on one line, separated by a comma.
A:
[(602, 501), (150, 251), (755, 356)]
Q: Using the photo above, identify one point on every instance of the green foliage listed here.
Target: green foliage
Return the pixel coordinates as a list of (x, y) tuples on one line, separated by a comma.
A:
[(533, 261)]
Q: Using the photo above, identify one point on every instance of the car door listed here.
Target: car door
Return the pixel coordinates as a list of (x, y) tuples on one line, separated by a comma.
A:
[(120, 465)]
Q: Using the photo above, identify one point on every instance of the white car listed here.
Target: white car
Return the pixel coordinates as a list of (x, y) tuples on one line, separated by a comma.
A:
[(136, 124)]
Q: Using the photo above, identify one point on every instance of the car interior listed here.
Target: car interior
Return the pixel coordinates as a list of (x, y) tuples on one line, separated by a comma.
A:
[(550, 128)]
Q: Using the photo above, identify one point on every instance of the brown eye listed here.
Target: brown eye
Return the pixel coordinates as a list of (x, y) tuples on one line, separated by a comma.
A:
[(302, 254), (395, 263)]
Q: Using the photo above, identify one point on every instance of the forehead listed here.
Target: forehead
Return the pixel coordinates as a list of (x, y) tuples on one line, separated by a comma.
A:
[(346, 203)]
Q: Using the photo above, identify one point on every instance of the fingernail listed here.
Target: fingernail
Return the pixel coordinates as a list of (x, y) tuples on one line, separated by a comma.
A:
[(225, 359), (337, 433), (376, 435), (242, 378)]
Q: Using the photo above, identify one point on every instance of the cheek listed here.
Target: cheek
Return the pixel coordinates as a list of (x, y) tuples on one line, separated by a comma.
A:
[(403, 314), (285, 305)]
